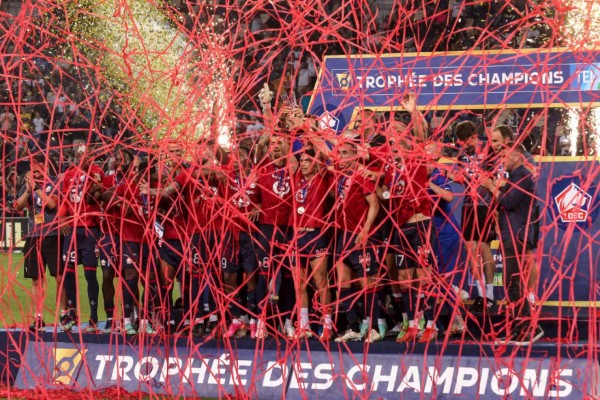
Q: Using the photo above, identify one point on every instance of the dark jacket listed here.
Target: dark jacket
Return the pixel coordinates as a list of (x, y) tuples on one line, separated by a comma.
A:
[(518, 207)]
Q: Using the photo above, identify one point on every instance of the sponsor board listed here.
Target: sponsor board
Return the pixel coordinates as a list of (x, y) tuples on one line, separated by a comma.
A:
[(298, 373)]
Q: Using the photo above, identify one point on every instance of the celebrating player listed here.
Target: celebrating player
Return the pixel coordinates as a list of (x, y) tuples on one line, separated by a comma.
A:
[(357, 257), (477, 211), (241, 212), (311, 185), (79, 217), (43, 243), (405, 185)]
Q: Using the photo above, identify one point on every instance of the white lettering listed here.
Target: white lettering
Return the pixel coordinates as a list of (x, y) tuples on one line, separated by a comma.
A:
[(370, 82), (268, 380), (237, 371), (190, 369), (503, 375), (217, 370), (390, 379), (434, 377), (364, 377), (462, 382), (146, 376), (121, 372), (171, 366), (485, 372), (323, 372), (411, 380), (299, 375), (566, 386), (530, 380), (103, 360)]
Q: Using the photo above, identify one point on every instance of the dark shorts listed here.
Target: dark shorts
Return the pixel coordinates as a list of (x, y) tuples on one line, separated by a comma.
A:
[(204, 251), (239, 255), (136, 255), (109, 251), (363, 261), (82, 247), (273, 244), (477, 223), (171, 252), (312, 244), (42, 252), (414, 243), (386, 232)]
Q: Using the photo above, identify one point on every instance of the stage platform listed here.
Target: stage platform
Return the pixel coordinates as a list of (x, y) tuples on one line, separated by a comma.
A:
[(275, 368)]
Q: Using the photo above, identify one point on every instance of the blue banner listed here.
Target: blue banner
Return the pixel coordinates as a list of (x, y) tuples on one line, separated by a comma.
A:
[(459, 80), (330, 373)]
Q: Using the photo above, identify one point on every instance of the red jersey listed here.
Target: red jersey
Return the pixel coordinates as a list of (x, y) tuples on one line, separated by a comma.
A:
[(137, 213), (112, 212), (352, 207), (202, 200), (75, 187), (310, 199), (275, 195), (408, 191), (241, 197)]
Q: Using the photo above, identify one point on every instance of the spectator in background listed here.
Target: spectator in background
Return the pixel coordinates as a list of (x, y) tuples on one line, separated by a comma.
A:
[(39, 126), (303, 79), (7, 119)]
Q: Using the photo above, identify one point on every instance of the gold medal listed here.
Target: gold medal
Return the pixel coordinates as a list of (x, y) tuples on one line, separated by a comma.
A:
[(301, 210), (38, 219)]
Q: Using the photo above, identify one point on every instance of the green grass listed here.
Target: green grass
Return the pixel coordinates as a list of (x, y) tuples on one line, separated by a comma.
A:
[(16, 302)]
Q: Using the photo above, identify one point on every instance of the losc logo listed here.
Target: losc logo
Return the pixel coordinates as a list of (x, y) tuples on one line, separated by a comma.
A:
[(329, 121), (66, 365), (343, 79), (573, 204)]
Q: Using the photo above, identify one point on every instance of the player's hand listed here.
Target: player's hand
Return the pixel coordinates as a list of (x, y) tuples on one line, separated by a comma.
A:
[(29, 181), (361, 238), (409, 102), (254, 214), (265, 95), (144, 187), (368, 174), (65, 229)]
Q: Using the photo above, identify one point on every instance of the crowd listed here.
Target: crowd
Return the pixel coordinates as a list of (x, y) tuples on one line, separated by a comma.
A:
[(334, 243)]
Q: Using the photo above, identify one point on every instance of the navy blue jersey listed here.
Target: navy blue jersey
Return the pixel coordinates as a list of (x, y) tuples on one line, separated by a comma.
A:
[(476, 168), (41, 220)]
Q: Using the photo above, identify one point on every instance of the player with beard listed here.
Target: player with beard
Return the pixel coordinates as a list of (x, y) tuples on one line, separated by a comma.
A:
[(110, 243), (274, 174), (516, 200), (43, 243), (500, 138), (138, 255), (415, 127), (241, 215), (79, 220), (170, 221), (405, 186), (476, 167), (311, 184), (193, 192), (202, 189), (357, 256)]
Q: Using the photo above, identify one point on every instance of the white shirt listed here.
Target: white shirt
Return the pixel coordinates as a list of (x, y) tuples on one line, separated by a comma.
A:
[(38, 124)]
